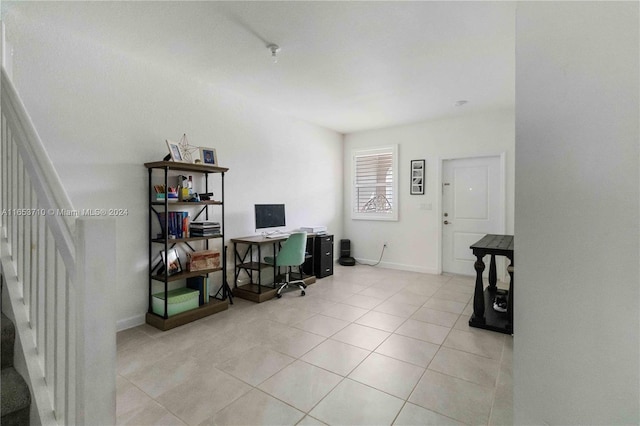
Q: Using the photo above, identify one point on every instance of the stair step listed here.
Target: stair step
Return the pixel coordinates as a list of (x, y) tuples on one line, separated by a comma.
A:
[(15, 398), (8, 339)]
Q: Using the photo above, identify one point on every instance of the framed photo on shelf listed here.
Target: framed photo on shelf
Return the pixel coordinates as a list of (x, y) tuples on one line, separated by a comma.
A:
[(417, 177), (172, 261), (208, 156), (176, 151)]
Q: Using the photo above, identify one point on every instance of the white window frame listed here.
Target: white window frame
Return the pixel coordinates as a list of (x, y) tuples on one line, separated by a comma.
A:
[(391, 216)]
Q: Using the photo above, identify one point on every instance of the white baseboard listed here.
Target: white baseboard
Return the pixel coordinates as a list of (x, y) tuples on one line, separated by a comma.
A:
[(401, 266), (131, 322)]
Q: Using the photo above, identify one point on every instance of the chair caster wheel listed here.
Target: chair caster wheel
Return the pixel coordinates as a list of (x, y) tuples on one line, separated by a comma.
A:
[(302, 293), (278, 296)]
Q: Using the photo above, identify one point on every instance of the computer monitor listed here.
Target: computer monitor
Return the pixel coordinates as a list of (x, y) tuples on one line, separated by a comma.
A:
[(269, 216)]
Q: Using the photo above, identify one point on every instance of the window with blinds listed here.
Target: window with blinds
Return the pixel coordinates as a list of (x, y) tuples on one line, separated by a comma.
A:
[(375, 184)]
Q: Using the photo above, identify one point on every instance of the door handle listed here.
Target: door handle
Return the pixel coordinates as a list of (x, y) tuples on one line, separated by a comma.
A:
[(446, 222)]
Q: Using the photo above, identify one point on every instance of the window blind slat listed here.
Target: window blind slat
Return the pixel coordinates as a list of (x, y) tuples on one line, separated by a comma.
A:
[(373, 183)]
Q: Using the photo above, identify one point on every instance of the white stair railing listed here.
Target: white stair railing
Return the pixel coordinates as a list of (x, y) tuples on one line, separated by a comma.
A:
[(58, 269)]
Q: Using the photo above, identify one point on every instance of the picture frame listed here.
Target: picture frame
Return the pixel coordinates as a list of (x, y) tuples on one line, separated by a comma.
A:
[(208, 156), (175, 150), (418, 173), (171, 262)]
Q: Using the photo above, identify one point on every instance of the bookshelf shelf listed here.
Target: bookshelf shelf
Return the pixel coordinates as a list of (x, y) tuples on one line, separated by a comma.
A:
[(188, 203), (184, 240), (184, 275), (214, 306)]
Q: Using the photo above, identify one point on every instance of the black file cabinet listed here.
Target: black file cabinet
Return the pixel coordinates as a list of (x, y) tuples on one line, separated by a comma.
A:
[(323, 256)]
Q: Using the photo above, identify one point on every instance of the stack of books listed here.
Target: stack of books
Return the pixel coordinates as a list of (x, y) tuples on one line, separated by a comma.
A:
[(202, 285), (177, 226), (204, 229)]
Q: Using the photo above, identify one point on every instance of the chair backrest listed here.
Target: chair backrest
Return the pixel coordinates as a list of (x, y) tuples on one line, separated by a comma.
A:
[(292, 251)]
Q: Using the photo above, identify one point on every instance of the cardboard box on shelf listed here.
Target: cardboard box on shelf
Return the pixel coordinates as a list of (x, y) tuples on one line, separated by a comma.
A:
[(203, 260)]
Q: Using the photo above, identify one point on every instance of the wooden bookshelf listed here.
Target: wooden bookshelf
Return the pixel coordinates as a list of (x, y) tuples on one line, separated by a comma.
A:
[(159, 242)]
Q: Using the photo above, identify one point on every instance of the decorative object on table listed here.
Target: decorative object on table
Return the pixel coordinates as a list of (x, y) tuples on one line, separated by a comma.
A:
[(188, 150), (208, 156), (175, 151), (172, 261), (417, 177)]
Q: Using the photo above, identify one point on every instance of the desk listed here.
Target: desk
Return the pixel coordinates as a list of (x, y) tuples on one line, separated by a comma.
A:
[(245, 263), (484, 316)]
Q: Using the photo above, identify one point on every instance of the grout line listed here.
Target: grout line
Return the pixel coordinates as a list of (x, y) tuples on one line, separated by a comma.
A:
[(353, 278)]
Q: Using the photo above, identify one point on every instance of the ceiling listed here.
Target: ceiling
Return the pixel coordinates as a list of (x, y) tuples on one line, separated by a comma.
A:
[(346, 66)]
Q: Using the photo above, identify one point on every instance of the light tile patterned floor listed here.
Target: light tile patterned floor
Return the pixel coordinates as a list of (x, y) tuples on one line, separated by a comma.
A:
[(366, 346)]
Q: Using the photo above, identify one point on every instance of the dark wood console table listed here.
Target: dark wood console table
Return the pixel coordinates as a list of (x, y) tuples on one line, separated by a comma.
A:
[(484, 316)]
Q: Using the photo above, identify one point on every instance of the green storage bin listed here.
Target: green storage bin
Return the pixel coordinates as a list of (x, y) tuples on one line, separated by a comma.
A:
[(179, 300)]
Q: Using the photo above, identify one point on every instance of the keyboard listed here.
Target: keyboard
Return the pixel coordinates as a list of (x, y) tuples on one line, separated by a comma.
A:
[(277, 236)]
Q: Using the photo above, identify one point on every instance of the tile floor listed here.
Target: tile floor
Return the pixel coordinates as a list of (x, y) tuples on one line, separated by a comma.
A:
[(366, 346)]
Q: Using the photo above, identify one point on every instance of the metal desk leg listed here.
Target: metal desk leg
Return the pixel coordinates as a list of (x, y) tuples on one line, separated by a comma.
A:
[(236, 271), (259, 271)]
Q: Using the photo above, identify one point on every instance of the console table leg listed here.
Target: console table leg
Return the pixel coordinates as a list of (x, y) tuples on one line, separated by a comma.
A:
[(493, 276), (478, 295)]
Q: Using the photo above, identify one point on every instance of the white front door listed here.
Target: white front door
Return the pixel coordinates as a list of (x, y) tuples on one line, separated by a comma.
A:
[(472, 206)]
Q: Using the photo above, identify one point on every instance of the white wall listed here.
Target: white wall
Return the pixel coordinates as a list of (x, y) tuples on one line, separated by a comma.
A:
[(102, 113), (413, 240), (576, 343)]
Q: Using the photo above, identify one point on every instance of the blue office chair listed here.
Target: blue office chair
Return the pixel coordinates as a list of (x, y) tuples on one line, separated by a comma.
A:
[(291, 254)]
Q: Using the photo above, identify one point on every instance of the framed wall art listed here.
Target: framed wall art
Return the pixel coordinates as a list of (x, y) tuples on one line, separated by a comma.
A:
[(417, 177)]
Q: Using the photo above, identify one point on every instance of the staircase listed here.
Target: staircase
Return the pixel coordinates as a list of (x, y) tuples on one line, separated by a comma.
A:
[(15, 398), (57, 287)]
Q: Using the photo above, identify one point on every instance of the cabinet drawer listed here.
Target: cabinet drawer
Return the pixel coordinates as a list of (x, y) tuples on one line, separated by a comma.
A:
[(324, 252), (324, 271), (326, 262), (324, 240), (324, 266), (323, 256)]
